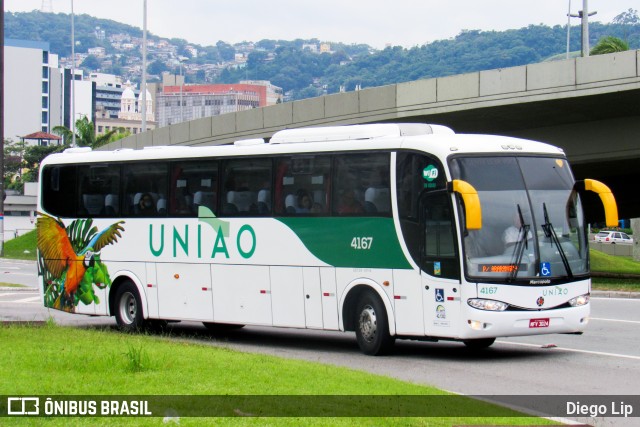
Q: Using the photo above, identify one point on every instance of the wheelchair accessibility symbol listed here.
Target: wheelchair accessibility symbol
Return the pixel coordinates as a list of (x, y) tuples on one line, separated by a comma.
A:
[(545, 269), (439, 295)]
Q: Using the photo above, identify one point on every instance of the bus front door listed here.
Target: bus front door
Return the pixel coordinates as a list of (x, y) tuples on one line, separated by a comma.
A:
[(441, 302)]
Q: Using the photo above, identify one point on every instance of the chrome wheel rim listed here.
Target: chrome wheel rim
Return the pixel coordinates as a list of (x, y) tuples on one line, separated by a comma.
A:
[(128, 307), (368, 323)]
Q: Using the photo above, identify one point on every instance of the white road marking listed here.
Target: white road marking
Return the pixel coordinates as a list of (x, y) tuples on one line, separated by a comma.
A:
[(20, 274), (574, 350), (8, 294), (18, 302), (637, 322), (27, 300)]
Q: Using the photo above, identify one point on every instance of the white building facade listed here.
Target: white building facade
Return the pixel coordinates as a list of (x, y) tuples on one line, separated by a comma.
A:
[(37, 93)]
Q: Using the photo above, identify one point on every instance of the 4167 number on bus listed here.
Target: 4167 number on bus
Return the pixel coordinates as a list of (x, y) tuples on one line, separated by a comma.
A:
[(360, 243)]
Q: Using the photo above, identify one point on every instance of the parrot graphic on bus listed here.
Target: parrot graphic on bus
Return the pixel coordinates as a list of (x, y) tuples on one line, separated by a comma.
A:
[(69, 260)]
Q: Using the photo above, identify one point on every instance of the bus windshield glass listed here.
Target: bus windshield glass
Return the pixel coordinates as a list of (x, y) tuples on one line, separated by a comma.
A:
[(532, 220)]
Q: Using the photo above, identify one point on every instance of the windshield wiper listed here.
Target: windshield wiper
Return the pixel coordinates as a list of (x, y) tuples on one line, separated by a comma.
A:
[(549, 232), (521, 245)]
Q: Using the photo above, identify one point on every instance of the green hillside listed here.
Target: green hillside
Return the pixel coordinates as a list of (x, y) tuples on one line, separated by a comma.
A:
[(303, 73)]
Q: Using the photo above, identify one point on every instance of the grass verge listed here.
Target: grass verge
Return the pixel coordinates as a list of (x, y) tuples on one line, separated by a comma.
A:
[(604, 263), (11, 285), (614, 273), (15, 248), (70, 361)]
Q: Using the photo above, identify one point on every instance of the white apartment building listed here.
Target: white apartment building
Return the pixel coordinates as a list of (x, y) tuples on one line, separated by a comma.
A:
[(37, 93)]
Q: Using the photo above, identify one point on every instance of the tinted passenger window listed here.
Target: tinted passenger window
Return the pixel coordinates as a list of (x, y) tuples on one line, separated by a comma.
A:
[(59, 190), (98, 190), (245, 180), (193, 184), (361, 184), (302, 185), (145, 189)]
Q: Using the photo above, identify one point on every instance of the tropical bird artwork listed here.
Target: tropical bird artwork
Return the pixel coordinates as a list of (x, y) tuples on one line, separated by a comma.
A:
[(69, 260)]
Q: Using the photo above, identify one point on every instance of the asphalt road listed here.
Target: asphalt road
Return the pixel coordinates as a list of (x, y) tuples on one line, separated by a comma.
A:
[(605, 360), (18, 272)]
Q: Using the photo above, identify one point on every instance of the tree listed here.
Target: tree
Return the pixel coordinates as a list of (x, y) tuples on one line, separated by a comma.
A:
[(226, 51), (33, 155), (157, 67), (86, 134), (609, 44), (22, 162), (91, 62), (628, 18)]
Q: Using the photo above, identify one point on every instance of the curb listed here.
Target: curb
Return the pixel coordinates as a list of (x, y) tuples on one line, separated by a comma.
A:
[(22, 289), (18, 261), (616, 294)]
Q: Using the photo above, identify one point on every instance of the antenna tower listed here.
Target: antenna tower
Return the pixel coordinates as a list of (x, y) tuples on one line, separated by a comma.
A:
[(47, 6)]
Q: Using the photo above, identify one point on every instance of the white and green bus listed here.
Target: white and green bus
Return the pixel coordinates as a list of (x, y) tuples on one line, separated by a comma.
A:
[(394, 231)]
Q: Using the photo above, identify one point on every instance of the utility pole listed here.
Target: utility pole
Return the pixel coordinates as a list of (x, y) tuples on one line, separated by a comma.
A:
[(584, 15), (2, 128)]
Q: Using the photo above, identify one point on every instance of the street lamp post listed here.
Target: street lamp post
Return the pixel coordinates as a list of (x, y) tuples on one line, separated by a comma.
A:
[(73, 79), (143, 84), (569, 30), (181, 59), (584, 15)]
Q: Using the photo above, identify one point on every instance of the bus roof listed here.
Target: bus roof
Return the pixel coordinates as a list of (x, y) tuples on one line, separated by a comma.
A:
[(436, 140)]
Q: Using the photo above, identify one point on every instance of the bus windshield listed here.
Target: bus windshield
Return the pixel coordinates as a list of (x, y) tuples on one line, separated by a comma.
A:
[(533, 224)]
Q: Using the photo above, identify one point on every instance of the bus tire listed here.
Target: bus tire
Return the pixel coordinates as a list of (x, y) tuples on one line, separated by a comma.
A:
[(479, 344), (372, 325), (128, 308)]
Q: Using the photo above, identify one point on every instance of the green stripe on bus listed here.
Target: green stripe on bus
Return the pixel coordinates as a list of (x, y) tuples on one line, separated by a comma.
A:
[(350, 242)]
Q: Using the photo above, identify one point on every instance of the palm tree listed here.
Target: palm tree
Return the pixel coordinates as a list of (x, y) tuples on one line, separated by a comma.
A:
[(609, 44), (86, 135)]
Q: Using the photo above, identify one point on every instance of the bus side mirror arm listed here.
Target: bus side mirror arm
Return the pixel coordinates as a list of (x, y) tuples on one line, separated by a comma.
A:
[(606, 196), (471, 202)]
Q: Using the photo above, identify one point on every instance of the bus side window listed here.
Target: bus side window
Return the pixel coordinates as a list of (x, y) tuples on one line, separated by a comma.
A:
[(145, 187), (362, 184), (59, 190), (302, 185), (95, 184), (243, 180), (193, 184)]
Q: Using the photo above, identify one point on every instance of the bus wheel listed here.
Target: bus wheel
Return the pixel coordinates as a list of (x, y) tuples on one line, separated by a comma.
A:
[(372, 325), (479, 343), (128, 308), (222, 327)]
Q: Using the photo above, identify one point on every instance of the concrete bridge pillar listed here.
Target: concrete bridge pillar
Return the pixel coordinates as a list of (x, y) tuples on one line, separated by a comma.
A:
[(635, 228)]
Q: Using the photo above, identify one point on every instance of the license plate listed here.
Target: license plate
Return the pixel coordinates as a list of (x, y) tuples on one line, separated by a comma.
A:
[(539, 323)]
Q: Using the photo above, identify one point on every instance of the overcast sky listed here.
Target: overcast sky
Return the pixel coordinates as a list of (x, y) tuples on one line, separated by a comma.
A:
[(374, 22)]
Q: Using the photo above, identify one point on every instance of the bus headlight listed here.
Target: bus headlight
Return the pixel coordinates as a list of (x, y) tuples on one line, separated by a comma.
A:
[(579, 300), (487, 304)]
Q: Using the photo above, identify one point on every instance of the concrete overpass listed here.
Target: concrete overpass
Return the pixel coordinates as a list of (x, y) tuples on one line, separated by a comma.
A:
[(588, 106)]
